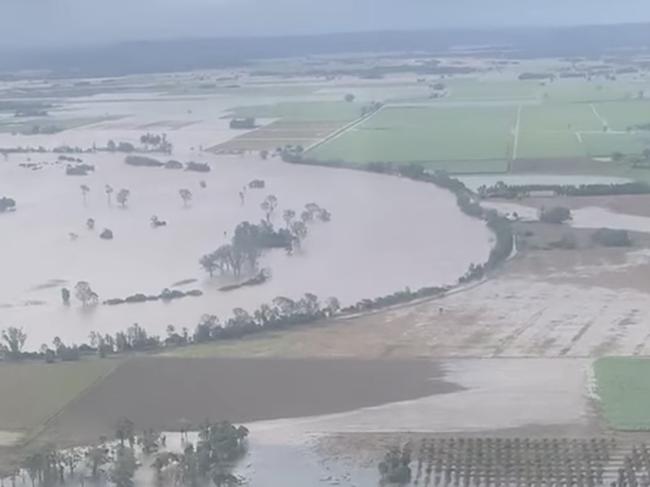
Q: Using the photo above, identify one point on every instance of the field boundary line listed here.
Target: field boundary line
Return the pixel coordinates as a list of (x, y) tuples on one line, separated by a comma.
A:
[(40, 428), (602, 120), (341, 130)]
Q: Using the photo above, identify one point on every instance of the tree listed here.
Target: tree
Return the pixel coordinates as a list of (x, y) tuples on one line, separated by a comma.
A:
[(111, 146), (288, 217), (108, 189), (556, 214), (298, 231), (90, 224), (65, 296), (349, 97), (84, 192), (394, 468), (269, 205), (125, 430), (186, 196), (85, 294), (97, 457), (123, 196), (210, 263), (123, 468), (14, 339)]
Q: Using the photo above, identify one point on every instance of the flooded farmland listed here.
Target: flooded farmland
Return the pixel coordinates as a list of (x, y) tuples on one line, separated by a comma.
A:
[(386, 234)]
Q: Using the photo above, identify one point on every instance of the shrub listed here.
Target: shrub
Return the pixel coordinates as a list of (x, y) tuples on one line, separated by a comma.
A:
[(142, 161), (172, 164), (106, 234), (197, 166), (7, 204), (556, 214)]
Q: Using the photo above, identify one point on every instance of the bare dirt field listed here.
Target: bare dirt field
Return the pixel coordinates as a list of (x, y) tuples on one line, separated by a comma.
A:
[(162, 392)]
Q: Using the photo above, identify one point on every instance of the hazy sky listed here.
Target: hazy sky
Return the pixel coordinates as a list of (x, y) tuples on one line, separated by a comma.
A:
[(80, 22)]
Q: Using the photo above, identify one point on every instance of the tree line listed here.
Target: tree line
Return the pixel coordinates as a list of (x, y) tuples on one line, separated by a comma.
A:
[(211, 458), (508, 191)]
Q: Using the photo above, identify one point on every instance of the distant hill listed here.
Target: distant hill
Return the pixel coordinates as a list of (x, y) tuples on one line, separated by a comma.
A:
[(189, 54)]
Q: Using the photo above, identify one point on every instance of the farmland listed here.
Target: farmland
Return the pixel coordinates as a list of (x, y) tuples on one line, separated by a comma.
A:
[(623, 385), (46, 389)]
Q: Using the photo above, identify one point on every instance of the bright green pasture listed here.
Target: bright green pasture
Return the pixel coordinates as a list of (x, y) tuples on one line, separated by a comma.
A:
[(425, 134), (623, 386)]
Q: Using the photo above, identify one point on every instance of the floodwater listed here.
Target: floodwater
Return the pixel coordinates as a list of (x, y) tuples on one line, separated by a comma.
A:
[(386, 234), (587, 217)]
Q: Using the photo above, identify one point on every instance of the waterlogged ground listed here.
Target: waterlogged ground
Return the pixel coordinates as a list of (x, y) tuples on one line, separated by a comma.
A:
[(385, 234)]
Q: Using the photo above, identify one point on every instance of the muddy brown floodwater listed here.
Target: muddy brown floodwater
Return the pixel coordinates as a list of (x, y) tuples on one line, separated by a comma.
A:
[(386, 234)]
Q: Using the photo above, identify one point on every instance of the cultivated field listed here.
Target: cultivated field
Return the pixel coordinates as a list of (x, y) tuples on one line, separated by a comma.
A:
[(425, 134), (623, 386), (34, 392)]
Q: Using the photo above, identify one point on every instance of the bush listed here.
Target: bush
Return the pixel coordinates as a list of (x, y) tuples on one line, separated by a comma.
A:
[(106, 234), (556, 215), (197, 166), (7, 204), (142, 161), (612, 238), (172, 164)]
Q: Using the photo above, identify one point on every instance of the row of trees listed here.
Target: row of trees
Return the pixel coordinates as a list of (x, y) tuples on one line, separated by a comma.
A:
[(144, 161), (122, 196), (508, 191)]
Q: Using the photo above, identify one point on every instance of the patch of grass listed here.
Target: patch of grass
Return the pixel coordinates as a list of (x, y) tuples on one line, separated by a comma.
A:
[(33, 392), (481, 90), (623, 114), (425, 134), (624, 389), (547, 145), (603, 145)]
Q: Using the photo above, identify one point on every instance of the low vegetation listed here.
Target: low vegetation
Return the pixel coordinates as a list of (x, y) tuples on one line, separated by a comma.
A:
[(7, 204), (556, 215)]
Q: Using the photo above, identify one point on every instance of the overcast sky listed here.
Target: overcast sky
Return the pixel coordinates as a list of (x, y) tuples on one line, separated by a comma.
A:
[(82, 22)]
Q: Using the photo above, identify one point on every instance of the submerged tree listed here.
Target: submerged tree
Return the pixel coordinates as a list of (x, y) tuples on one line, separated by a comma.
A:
[(186, 196), (84, 192), (288, 217), (123, 196), (85, 294), (125, 431), (124, 467), (108, 189), (269, 205), (65, 296)]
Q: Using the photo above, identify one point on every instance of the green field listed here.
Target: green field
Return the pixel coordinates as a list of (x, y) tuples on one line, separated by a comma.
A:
[(623, 385), (425, 134), (33, 392)]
